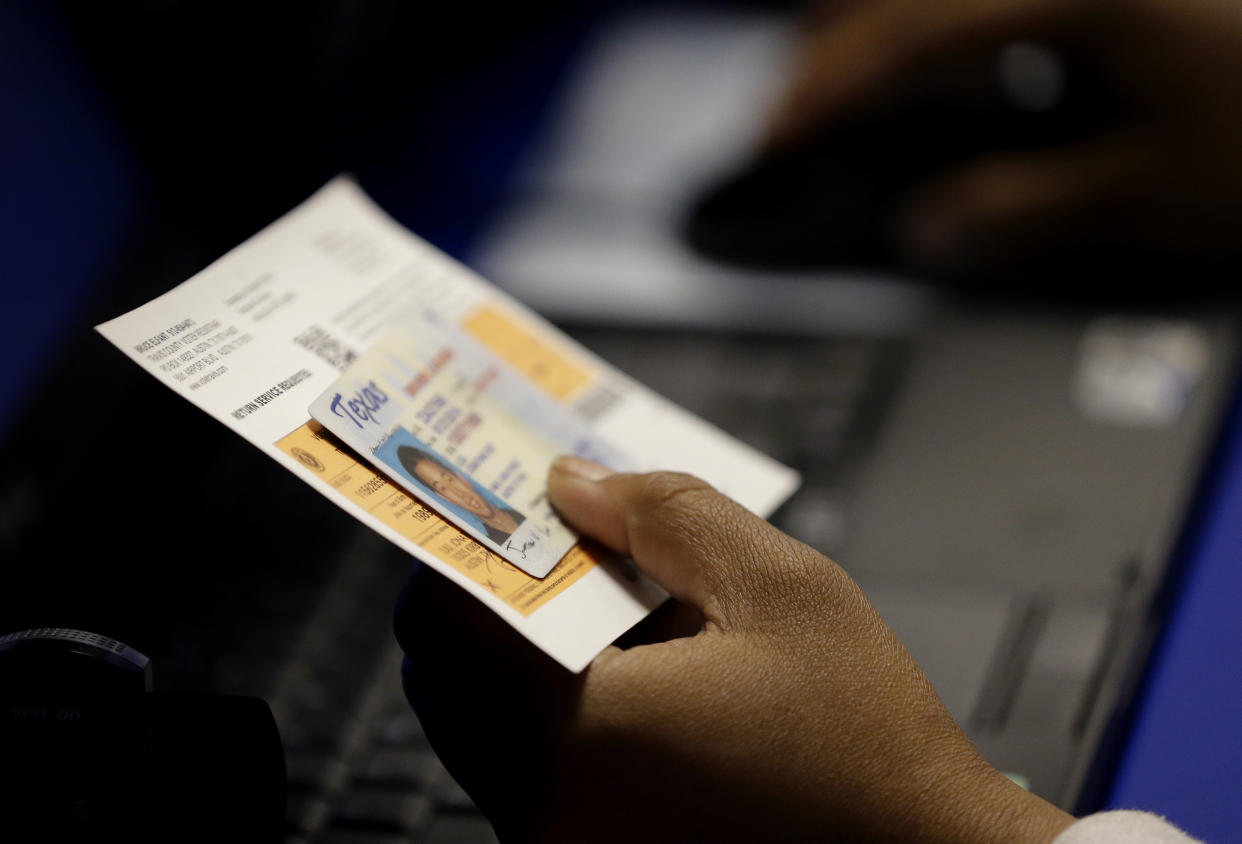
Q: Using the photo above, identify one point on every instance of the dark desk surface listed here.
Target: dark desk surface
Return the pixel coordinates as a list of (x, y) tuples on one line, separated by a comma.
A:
[(1184, 756)]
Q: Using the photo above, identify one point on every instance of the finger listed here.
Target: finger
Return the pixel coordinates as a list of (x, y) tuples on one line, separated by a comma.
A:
[(1008, 206), (695, 542), (859, 55)]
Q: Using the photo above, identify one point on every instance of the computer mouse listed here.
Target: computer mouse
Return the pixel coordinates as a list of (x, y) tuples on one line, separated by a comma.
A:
[(831, 201)]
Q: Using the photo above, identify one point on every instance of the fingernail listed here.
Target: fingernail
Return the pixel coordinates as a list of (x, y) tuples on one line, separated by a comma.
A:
[(578, 467)]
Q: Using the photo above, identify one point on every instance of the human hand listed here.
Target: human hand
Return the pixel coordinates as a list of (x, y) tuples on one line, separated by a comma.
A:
[(789, 712), (1166, 175)]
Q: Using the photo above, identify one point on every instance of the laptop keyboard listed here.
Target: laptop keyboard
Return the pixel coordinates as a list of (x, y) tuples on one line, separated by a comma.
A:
[(813, 403), (359, 767)]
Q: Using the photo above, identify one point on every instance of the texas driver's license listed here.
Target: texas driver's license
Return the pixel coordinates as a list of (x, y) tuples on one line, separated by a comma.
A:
[(465, 433)]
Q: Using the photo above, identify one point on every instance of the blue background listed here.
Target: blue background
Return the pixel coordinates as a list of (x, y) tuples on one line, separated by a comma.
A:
[(1183, 758)]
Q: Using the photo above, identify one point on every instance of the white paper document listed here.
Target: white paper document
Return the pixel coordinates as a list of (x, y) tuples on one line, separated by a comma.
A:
[(336, 302)]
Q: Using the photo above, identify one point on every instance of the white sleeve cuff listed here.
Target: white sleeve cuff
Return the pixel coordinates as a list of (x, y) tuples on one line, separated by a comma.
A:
[(1123, 827)]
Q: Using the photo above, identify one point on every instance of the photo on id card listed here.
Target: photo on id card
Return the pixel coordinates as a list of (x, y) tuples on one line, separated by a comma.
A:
[(412, 459)]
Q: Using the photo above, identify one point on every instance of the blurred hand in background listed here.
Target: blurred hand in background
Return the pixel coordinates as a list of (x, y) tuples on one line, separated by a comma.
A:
[(1166, 173)]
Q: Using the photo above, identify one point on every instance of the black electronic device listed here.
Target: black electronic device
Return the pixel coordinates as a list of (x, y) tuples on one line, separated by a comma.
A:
[(91, 753)]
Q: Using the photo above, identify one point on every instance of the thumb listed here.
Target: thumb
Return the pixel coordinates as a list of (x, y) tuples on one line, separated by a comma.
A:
[(695, 542)]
